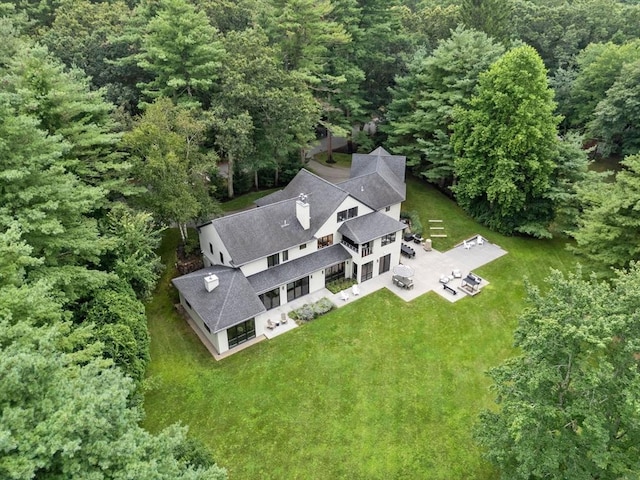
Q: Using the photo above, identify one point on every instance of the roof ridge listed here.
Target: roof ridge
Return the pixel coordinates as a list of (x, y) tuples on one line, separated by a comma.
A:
[(229, 290)]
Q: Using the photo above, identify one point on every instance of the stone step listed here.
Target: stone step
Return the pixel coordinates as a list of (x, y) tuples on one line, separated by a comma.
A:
[(435, 221), (436, 228), (433, 235)]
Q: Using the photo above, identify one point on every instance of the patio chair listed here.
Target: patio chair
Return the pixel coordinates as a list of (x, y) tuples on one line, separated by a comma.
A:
[(270, 324), (480, 240), (355, 289), (283, 318), (344, 295), (466, 245), (456, 273)]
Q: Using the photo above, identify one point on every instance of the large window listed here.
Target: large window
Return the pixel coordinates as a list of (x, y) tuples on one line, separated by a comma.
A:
[(367, 271), (241, 333), (285, 256), (347, 214), (273, 260), (385, 264), (325, 241), (334, 272), (387, 239), (297, 289), (271, 299)]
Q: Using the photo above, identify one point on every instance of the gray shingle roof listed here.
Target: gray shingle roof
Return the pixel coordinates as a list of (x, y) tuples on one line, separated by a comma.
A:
[(369, 227), (257, 233), (232, 302), (298, 268), (377, 179)]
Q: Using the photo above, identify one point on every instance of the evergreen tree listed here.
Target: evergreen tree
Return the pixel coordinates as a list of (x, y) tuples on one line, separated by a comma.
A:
[(421, 113), (180, 49)]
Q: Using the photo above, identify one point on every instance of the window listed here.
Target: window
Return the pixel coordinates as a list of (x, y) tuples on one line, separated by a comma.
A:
[(303, 246), (211, 248), (334, 272), (385, 264), (367, 271), (387, 239), (273, 260), (241, 333), (271, 299), (367, 249), (347, 214), (388, 209), (221, 257), (325, 241), (297, 289), (285, 256)]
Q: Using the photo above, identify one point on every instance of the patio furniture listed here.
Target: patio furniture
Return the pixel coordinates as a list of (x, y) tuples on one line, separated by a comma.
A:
[(407, 251), (449, 289), (355, 290), (445, 278), (344, 295), (403, 276), (270, 324), (480, 240), (418, 239), (466, 245), (456, 273), (408, 236), (283, 318)]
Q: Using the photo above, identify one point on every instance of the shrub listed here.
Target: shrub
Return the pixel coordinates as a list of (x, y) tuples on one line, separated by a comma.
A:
[(337, 285), (308, 312)]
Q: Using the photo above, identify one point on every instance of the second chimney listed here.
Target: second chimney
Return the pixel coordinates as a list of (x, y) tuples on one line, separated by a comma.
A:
[(303, 214), (211, 282)]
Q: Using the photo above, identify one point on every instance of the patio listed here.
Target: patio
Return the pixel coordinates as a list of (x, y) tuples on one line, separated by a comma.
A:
[(428, 267)]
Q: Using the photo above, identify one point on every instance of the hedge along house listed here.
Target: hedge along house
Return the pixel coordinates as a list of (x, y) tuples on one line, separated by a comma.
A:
[(298, 239)]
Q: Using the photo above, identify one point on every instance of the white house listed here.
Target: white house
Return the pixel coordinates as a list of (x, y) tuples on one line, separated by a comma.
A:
[(298, 239)]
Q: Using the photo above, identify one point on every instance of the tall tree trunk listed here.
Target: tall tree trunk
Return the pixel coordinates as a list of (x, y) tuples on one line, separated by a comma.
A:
[(230, 164), (255, 180), (329, 147)]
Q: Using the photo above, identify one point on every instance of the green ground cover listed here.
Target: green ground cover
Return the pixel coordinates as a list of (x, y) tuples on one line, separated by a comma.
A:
[(340, 159), (244, 201), (377, 389)]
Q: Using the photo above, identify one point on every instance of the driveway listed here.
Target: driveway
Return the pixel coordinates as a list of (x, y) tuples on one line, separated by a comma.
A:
[(331, 173)]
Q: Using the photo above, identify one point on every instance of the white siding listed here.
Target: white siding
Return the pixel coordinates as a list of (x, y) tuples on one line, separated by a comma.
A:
[(332, 224), (394, 211), (212, 337), (209, 236)]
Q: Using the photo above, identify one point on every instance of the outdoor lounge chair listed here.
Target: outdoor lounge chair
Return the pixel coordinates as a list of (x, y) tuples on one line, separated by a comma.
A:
[(480, 240), (270, 324), (344, 295), (283, 318), (355, 289), (456, 273), (466, 245)]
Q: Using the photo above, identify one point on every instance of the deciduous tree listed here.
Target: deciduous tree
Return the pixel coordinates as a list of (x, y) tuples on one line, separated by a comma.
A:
[(568, 402), (506, 145)]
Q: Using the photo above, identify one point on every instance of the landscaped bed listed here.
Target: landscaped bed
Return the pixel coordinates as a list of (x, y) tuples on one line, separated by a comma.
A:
[(379, 388)]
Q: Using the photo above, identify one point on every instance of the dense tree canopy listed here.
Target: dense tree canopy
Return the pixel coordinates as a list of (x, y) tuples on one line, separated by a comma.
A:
[(506, 146), (568, 403)]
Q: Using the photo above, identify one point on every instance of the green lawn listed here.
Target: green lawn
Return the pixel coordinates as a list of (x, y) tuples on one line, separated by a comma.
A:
[(378, 389), (244, 201)]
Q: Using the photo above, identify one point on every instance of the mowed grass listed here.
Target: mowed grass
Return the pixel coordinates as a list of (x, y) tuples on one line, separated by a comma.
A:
[(377, 389)]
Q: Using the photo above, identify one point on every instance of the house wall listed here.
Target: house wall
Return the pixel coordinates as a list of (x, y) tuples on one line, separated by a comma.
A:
[(218, 340), (261, 264), (332, 224), (394, 211), (209, 235), (378, 251)]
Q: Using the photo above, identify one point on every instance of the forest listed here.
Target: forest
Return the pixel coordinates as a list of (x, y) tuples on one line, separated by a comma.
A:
[(116, 115)]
